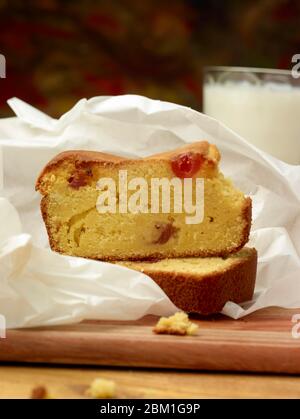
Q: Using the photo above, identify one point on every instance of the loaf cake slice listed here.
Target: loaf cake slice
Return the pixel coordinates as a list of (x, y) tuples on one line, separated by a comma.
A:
[(70, 187), (203, 285)]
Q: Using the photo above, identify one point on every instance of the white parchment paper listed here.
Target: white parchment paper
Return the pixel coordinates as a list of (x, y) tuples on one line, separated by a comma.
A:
[(40, 287)]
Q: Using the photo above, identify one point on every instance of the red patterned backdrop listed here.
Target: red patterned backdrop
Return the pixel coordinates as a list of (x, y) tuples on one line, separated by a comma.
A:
[(58, 51)]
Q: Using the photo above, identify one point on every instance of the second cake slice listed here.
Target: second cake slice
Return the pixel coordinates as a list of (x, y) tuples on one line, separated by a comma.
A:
[(203, 285)]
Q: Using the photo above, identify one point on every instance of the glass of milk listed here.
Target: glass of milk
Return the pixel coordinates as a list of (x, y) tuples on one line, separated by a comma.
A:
[(261, 105)]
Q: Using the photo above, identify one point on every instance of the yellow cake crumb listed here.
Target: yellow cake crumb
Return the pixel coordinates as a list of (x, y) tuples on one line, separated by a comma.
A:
[(178, 324), (101, 388)]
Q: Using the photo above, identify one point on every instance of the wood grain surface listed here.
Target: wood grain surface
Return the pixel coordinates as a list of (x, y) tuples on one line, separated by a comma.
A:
[(261, 342), (72, 382)]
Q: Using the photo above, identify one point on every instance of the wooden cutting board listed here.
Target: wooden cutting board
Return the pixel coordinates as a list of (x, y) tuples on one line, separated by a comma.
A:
[(261, 342)]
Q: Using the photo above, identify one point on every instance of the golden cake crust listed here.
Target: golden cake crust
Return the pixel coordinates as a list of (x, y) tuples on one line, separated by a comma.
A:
[(206, 293), (85, 157), (209, 151)]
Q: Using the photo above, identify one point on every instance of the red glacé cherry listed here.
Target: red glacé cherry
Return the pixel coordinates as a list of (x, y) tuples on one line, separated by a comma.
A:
[(187, 164)]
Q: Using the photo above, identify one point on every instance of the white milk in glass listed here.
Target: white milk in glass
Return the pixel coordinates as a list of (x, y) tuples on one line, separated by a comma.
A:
[(266, 114)]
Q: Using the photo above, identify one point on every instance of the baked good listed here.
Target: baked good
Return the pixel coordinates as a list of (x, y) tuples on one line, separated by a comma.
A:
[(178, 324), (40, 392), (101, 388), (203, 285), (71, 185)]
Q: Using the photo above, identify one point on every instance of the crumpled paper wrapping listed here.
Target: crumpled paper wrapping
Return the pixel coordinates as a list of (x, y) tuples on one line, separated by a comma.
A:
[(40, 287)]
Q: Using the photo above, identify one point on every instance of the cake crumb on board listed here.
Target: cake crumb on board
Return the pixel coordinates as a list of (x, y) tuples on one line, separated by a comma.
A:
[(40, 392), (178, 324), (101, 388)]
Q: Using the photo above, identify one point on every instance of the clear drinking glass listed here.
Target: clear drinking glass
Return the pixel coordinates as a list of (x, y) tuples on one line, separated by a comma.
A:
[(262, 105)]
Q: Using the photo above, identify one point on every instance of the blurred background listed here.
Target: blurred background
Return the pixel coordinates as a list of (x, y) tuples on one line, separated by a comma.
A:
[(58, 51)]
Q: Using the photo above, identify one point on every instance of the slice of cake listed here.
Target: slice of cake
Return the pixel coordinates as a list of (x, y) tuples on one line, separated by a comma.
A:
[(174, 204), (203, 285)]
